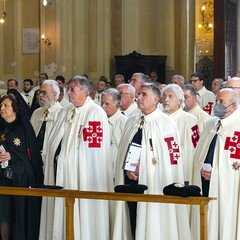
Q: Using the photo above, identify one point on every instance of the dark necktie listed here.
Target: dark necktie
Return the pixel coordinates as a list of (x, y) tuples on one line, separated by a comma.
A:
[(209, 159), (123, 113), (41, 134), (133, 205)]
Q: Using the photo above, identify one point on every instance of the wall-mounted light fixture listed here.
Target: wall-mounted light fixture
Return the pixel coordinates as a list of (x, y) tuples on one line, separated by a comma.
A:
[(2, 18), (47, 2), (206, 11), (47, 41)]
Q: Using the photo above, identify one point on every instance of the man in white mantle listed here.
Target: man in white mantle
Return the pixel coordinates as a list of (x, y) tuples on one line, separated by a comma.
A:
[(110, 102), (83, 163), (217, 168), (159, 165), (187, 124)]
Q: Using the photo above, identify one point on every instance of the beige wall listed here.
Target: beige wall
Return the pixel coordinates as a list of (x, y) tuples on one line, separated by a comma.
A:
[(87, 34)]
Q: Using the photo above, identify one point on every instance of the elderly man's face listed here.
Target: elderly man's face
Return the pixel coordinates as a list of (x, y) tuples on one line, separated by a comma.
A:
[(76, 95), (215, 86), (108, 105), (126, 97), (224, 98), (47, 97), (136, 82), (189, 100), (171, 103)]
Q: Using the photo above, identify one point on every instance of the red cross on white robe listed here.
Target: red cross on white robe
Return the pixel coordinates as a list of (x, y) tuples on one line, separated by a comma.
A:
[(173, 150), (233, 145), (93, 134), (208, 108), (195, 135)]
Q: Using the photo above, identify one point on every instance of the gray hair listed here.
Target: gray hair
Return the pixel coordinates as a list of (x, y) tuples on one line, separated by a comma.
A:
[(130, 88), (179, 77), (143, 76), (114, 93), (153, 87), (83, 81), (119, 75), (177, 90), (54, 85), (191, 88)]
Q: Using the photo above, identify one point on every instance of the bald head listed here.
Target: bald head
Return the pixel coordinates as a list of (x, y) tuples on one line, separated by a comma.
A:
[(234, 83)]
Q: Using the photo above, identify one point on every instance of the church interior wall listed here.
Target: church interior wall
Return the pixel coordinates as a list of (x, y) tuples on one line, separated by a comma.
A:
[(86, 35)]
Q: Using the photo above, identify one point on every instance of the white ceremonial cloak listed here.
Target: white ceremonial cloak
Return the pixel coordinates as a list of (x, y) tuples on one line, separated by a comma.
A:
[(116, 124), (132, 110), (201, 115), (188, 131), (83, 164), (223, 214), (154, 221), (206, 100)]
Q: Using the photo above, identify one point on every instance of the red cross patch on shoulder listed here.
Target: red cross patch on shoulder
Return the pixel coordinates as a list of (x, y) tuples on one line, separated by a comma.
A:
[(232, 144), (93, 134), (195, 135), (208, 108), (173, 150)]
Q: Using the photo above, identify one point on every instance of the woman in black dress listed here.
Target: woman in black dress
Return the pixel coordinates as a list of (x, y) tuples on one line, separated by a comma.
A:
[(21, 166)]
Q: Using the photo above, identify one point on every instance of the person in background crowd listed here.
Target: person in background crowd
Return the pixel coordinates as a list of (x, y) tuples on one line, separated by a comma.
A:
[(61, 99), (61, 83), (179, 80), (35, 103), (27, 90), (216, 85), (13, 84), (101, 86), (128, 106), (111, 104), (109, 84), (192, 107), (118, 79), (206, 98), (136, 81), (154, 78), (92, 92)]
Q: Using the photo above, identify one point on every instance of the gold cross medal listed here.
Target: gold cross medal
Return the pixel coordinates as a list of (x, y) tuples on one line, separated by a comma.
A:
[(154, 161)]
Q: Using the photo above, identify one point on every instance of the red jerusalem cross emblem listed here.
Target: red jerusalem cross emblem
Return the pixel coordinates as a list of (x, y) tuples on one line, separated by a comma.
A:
[(233, 145), (195, 135), (93, 134), (173, 150), (208, 108)]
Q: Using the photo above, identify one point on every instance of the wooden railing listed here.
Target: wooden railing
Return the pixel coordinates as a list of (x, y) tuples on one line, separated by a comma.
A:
[(70, 196)]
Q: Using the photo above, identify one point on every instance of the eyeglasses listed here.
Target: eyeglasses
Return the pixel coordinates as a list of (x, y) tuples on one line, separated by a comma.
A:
[(43, 92), (195, 80)]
